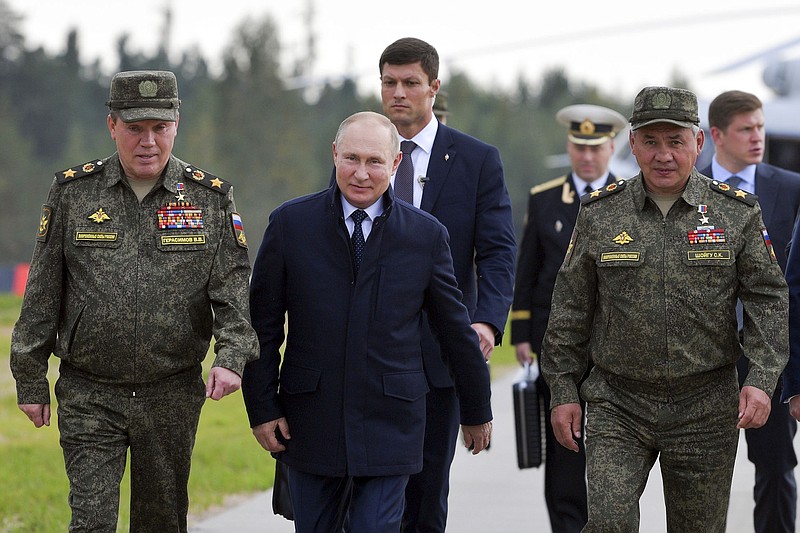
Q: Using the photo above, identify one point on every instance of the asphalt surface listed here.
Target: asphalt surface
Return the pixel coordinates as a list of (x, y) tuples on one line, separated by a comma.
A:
[(490, 494)]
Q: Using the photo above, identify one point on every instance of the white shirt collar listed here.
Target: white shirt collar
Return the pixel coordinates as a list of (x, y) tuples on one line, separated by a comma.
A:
[(373, 211)]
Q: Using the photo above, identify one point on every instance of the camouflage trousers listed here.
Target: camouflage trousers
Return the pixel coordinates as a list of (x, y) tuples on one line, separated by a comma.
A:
[(157, 422), (691, 431)]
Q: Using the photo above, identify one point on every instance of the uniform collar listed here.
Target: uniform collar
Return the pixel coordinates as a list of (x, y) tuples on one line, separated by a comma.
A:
[(693, 193)]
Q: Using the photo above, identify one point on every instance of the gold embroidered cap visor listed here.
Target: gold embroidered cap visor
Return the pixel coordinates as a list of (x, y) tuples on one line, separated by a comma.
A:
[(664, 104), (144, 95)]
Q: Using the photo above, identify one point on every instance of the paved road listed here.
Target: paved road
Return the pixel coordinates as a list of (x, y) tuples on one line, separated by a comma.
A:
[(489, 492)]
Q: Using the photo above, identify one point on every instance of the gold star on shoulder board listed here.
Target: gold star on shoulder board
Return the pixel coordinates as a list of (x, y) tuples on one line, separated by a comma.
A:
[(69, 173), (741, 194), (595, 193), (216, 182)]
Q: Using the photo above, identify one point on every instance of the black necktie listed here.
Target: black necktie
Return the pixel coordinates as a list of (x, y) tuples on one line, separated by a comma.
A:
[(734, 181), (358, 217), (404, 178), (588, 189)]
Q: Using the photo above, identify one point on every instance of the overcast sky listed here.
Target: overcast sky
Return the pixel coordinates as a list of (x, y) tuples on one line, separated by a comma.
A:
[(620, 46)]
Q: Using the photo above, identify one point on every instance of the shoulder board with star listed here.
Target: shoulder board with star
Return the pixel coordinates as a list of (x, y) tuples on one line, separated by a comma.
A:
[(603, 192), (205, 178), (733, 192), (547, 185), (86, 169)]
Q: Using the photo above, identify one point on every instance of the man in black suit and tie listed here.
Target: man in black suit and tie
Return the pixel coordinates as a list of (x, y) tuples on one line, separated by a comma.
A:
[(459, 180), (352, 271), (736, 120), (552, 210)]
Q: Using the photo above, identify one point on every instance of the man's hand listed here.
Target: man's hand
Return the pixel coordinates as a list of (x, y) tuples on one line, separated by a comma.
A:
[(38, 413), (794, 407), (486, 337), (266, 434), (566, 420), (524, 353), (221, 382), (754, 407), (477, 438)]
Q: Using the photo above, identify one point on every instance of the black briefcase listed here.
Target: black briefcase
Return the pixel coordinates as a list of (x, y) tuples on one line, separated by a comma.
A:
[(529, 413)]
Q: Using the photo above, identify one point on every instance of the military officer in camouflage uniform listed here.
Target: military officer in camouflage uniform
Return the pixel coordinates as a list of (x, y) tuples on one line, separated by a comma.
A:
[(139, 259), (648, 289)]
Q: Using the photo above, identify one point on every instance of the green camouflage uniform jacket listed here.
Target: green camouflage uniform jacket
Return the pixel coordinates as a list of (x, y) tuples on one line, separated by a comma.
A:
[(653, 299), (125, 292)]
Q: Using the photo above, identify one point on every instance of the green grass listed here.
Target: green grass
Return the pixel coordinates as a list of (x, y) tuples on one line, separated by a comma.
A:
[(227, 460)]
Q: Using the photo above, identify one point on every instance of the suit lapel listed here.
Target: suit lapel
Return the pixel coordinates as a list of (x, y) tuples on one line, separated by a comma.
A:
[(443, 154), (767, 190)]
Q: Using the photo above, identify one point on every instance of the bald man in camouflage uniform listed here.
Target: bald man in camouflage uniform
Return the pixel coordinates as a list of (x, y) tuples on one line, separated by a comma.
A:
[(139, 259), (648, 289)]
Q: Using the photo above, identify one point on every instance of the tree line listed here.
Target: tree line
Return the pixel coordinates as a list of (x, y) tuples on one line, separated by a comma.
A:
[(245, 123)]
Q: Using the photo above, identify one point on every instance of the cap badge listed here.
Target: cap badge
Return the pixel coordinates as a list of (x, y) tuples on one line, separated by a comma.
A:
[(587, 127), (662, 101), (148, 88)]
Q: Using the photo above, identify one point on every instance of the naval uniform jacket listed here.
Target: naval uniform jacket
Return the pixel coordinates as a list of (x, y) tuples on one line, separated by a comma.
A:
[(552, 210), (351, 383)]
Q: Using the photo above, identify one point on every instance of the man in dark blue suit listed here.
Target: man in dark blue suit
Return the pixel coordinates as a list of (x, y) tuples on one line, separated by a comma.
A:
[(736, 120), (552, 210), (459, 180), (352, 270)]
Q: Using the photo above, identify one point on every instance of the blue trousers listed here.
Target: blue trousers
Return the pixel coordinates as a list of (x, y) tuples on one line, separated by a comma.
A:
[(427, 491), (375, 503)]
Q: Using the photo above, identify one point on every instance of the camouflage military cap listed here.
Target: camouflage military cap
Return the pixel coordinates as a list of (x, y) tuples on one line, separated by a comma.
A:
[(664, 104), (144, 95)]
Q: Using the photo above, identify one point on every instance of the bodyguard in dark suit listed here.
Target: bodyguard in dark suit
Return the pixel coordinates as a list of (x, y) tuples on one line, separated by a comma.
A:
[(459, 180), (552, 210), (736, 120), (345, 407)]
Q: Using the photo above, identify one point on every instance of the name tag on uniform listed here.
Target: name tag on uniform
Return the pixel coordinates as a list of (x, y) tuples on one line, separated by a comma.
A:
[(96, 236), (709, 255), (177, 240), (619, 256)]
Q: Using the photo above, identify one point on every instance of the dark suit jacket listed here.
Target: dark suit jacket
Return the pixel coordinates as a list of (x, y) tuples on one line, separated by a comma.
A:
[(778, 192), (466, 191), (352, 384), (552, 210)]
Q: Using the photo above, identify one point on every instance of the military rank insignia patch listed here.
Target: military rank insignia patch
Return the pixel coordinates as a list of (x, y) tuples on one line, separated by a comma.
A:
[(238, 230), (608, 190), (80, 171), (768, 243), (44, 223), (204, 178), (739, 194)]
